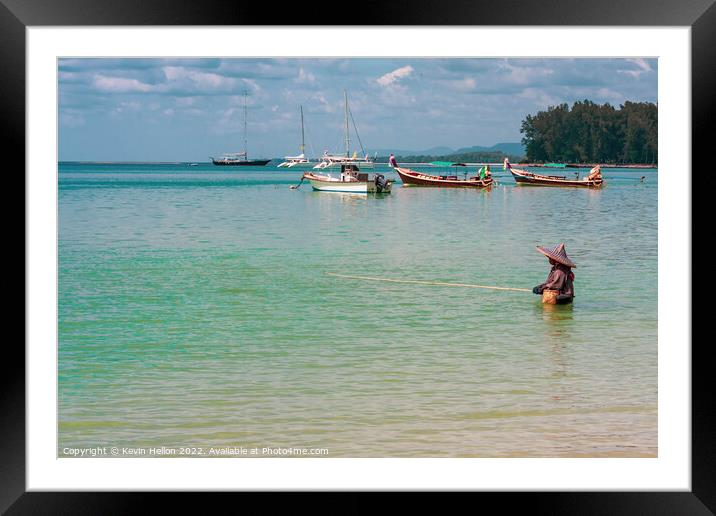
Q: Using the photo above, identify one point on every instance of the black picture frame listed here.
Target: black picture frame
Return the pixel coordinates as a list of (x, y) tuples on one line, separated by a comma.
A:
[(17, 15)]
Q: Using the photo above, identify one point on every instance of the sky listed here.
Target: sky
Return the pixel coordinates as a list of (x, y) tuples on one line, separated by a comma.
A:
[(139, 109)]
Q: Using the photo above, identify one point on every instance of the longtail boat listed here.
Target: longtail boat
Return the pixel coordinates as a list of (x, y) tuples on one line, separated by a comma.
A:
[(523, 177), (415, 178)]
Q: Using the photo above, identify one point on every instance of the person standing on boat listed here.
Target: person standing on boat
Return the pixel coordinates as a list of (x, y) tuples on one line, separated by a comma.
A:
[(392, 162), (561, 277)]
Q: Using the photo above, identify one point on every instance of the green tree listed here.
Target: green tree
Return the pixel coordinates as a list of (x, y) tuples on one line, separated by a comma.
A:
[(590, 132)]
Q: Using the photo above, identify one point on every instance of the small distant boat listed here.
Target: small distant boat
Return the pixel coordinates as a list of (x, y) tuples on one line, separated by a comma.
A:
[(300, 160), (193, 164), (351, 179), (239, 159), (414, 178), (523, 177)]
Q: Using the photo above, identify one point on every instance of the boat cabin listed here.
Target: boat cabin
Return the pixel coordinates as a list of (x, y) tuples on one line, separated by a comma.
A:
[(350, 173)]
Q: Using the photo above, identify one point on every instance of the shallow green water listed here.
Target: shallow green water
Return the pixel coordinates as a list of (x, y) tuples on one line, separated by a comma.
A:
[(194, 310)]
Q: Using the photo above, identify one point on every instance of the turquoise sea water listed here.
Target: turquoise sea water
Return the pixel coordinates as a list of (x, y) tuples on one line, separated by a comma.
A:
[(195, 311)]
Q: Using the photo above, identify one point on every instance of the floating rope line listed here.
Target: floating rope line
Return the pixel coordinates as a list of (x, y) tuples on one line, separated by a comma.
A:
[(419, 282)]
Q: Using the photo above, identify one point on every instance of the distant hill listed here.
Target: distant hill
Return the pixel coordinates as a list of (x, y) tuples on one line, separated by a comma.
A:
[(465, 157), (403, 152), (512, 149)]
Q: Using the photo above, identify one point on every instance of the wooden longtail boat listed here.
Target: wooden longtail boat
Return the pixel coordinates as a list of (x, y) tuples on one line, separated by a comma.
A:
[(523, 177), (413, 178)]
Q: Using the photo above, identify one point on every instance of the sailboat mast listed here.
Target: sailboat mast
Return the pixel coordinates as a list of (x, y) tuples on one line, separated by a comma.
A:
[(348, 137), (246, 149), (303, 139)]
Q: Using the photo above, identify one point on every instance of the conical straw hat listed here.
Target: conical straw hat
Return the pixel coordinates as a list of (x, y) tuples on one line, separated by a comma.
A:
[(558, 254)]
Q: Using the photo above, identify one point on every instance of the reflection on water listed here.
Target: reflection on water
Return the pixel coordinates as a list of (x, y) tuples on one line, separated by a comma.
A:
[(556, 333), (555, 315)]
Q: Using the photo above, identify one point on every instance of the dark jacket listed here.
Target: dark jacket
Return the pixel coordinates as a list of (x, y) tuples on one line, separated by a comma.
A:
[(560, 278)]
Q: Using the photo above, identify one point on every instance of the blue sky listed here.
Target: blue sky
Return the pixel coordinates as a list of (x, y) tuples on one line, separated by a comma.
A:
[(189, 109)]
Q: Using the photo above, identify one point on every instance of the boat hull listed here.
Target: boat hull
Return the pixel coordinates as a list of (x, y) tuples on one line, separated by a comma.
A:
[(241, 163), (413, 178), (291, 164), (323, 184), (523, 178)]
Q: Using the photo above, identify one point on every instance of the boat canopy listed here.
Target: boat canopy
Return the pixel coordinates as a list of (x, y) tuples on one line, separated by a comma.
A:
[(447, 164)]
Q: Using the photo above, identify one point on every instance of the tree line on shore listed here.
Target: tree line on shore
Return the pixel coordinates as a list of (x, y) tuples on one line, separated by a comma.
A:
[(593, 133)]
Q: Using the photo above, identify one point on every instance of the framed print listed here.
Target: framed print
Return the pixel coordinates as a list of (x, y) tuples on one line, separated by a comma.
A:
[(304, 257)]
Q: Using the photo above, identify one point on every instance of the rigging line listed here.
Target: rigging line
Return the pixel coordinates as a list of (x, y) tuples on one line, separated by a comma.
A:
[(421, 282), (310, 145), (356, 130)]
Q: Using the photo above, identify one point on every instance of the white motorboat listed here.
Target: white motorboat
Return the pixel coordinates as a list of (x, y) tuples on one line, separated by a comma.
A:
[(351, 179)]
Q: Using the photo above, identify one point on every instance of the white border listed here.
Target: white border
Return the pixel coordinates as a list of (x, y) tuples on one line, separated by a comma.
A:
[(671, 470)]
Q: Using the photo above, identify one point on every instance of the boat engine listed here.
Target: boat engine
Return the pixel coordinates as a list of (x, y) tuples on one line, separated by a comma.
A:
[(380, 183)]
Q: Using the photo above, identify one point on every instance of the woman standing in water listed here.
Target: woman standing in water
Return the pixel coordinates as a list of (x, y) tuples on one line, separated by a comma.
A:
[(560, 282)]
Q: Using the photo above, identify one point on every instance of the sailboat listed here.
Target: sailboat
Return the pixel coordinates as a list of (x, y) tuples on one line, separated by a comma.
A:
[(292, 161), (240, 159), (351, 179)]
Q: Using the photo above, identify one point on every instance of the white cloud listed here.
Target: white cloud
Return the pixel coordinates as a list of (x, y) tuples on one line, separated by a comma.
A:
[(524, 75), (128, 106), (120, 84), (642, 67), (305, 77), (70, 119), (397, 96), (200, 80), (184, 101), (69, 76), (395, 75), (466, 84), (252, 85), (324, 105), (539, 97), (608, 94)]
